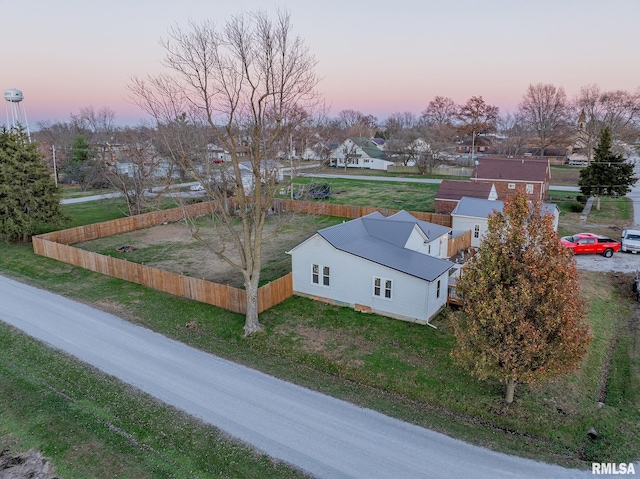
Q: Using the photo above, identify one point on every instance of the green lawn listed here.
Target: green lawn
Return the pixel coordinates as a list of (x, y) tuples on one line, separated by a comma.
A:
[(381, 194), (401, 369)]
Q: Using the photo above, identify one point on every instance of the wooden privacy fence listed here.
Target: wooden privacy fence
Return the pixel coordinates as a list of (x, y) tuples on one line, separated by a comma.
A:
[(459, 243), (348, 211), (57, 245), (221, 295)]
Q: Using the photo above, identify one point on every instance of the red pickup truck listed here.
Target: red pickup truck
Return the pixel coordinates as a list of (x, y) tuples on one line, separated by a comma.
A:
[(584, 243)]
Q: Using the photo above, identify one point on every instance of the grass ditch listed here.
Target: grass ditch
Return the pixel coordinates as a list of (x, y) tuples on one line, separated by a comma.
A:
[(92, 425)]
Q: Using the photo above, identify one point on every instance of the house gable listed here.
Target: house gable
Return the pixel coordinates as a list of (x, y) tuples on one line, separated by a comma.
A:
[(450, 192)]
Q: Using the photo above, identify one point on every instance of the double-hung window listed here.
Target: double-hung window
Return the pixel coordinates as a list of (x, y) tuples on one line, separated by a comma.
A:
[(382, 288), (316, 271)]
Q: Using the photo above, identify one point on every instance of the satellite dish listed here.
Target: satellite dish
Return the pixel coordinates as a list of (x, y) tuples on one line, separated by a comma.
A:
[(476, 162)]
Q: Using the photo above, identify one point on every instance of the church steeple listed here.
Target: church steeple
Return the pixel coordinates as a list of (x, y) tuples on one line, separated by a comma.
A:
[(582, 121)]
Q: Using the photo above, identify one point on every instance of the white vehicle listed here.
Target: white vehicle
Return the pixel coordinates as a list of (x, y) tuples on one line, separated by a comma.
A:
[(630, 241), (196, 187)]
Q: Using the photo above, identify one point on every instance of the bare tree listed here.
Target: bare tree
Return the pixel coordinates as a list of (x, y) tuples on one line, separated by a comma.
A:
[(621, 111), (101, 125), (476, 117), (399, 122), (245, 81), (546, 109), (589, 113), (357, 124), (440, 111), (140, 169), (437, 126), (513, 134), (618, 110), (56, 140)]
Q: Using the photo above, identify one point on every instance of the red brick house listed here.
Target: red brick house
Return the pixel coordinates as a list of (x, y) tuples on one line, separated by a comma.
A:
[(480, 145), (450, 192), (511, 175)]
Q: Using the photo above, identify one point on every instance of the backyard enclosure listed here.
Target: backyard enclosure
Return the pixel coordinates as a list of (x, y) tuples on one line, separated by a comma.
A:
[(178, 259), (172, 247)]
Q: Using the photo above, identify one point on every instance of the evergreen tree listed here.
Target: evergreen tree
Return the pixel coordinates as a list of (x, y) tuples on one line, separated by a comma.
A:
[(522, 315), (609, 174), (28, 195)]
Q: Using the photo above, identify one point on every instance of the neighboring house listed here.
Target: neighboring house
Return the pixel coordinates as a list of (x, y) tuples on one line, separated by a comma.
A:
[(387, 265), (268, 169), (480, 145), (216, 153), (152, 169), (512, 175), (314, 153), (320, 151), (450, 192), (360, 152), (380, 142), (471, 214)]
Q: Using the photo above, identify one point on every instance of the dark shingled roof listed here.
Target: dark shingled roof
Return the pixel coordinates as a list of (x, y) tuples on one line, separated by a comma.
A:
[(454, 190), (514, 169), (381, 240)]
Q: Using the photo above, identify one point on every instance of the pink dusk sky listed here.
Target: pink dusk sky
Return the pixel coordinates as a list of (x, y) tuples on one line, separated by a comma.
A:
[(378, 57)]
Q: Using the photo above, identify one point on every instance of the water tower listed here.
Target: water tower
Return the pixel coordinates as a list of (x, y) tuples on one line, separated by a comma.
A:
[(16, 116)]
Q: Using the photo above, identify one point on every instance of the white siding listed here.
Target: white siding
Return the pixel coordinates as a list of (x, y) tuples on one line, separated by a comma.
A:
[(351, 282), (437, 247), (467, 223)]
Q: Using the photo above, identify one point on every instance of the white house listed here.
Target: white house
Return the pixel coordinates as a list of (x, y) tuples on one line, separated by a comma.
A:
[(217, 154), (471, 214), (392, 266), (360, 152)]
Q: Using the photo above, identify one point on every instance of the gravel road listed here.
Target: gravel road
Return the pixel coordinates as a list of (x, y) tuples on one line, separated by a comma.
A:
[(322, 435)]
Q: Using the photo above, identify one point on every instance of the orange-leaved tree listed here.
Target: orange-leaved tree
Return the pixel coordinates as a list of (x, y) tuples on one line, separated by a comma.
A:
[(522, 313)]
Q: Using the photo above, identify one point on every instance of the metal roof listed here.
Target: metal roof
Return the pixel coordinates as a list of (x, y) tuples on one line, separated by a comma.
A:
[(381, 240), (478, 208)]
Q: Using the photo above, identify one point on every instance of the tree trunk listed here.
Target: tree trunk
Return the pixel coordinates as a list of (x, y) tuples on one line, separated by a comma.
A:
[(598, 202), (252, 324), (511, 387)]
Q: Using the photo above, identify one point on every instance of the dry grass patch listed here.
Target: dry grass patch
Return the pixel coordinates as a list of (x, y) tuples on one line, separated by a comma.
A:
[(175, 247), (338, 345)]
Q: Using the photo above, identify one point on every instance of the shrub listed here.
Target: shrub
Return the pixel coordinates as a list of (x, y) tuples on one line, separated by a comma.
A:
[(576, 207)]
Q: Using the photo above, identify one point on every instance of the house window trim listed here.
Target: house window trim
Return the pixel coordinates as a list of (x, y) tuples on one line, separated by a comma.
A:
[(511, 186), (385, 288), (476, 230), (321, 277), (438, 289), (529, 188)]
